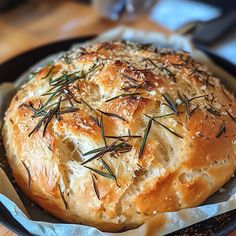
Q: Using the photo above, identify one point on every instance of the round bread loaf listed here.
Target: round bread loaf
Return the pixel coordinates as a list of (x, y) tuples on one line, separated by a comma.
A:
[(111, 134)]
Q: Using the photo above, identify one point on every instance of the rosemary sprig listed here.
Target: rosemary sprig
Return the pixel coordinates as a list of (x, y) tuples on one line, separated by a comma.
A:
[(226, 95), (93, 176), (67, 110), (193, 110), (59, 88), (152, 62), (34, 110), (231, 116), (145, 136), (171, 74), (207, 82), (62, 197), (53, 112), (46, 119), (65, 79), (107, 167), (49, 118), (129, 78), (123, 136), (116, 146), (170, 103), (94, 151), (100, 153), (123, 95), (104, 174), (222, 129), (213, 111), (70, 96), (165, 115), (123, 148), (103, 45), (49, 72), (59, 112), (95, 119), (89, 106), (180, 96), (111, 115), (59, 85), (113, 147), (170, 130), (44, 106), (28, 173), (163, 68), (92, 69), (200, 96), (102, 130), (184, 99), (43, 112)]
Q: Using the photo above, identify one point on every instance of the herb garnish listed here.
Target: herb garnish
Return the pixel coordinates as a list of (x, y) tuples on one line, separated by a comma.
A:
[(104, 174), (59, 88), (193, 110), (231, 116), (95, 119), (170, 103), (102, 130), (124, 136), (94, 178), (145, 136), (222, 129), (129, 78), (89, 106), (170, 130), (111, 115), (113, 147), (165, 115), (163, 68), (94, 151), (200, 96), (107, 167), (49, 72), (101, 152), (62, 197), (28, 173), (213, 111), (123, 95), (223, 91), (46, 119), (184, 99)]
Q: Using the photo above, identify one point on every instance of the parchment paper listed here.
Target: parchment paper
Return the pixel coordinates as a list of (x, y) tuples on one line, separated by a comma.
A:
[(40, 223)]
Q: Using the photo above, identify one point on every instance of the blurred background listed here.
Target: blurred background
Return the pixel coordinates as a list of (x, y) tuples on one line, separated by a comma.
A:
[(25, 24)]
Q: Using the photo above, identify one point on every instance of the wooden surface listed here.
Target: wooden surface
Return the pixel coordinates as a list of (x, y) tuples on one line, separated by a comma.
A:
[(5, 232), (40, 22)]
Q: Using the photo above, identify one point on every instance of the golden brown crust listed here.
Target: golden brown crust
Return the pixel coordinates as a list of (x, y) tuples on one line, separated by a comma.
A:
[(174, 120)]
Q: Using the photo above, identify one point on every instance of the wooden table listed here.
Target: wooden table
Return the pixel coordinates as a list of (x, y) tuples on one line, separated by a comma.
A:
[(40, 22)]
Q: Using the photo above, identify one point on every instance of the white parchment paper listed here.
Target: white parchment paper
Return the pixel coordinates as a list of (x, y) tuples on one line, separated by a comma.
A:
[(163, 223)]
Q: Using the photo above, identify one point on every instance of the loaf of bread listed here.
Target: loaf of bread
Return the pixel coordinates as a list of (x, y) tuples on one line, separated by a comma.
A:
[(111, 134)]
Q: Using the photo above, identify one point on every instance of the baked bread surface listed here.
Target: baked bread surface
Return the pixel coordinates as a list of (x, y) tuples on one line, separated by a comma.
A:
[(111, 134)]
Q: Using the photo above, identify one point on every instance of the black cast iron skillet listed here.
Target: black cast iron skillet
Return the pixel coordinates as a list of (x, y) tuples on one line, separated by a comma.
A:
[(13, 68)]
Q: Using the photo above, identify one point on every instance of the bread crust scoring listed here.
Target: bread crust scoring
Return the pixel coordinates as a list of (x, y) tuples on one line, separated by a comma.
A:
[(161, 130)]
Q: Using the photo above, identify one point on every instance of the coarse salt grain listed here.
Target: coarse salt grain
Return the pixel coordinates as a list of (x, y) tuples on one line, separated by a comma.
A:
[(222, 190)]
